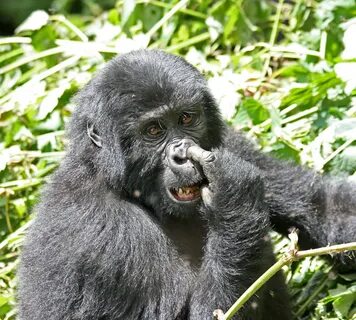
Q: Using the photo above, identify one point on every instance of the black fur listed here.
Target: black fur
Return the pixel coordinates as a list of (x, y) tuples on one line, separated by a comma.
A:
[(109, 243)]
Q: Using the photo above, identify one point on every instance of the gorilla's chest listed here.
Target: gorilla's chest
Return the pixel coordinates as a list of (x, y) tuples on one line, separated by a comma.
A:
[(188, 236)]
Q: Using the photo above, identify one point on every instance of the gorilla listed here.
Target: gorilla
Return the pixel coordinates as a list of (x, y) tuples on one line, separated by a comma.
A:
[(159, 211)]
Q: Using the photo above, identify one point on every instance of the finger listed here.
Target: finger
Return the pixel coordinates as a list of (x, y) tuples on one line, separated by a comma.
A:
[(218, 315), (207, 196), (204, 158), (200, 155)]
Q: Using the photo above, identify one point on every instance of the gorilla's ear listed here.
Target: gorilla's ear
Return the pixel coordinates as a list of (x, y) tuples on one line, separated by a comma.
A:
[(93, 135)]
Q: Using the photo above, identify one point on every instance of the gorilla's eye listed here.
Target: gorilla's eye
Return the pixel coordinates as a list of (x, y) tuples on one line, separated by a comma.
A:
[(186, 119), (154, 130)]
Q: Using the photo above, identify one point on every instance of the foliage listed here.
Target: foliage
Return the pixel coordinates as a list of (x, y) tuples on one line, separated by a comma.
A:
[(285, 73)]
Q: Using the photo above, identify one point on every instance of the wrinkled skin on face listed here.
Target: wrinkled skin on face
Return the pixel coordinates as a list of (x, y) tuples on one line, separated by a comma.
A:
[(183, 177)]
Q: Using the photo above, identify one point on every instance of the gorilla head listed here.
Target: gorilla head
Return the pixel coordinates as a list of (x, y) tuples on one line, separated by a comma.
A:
[(141, 113)]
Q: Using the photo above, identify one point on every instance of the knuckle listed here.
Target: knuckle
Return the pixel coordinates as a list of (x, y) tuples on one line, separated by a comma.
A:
[(209, 156)]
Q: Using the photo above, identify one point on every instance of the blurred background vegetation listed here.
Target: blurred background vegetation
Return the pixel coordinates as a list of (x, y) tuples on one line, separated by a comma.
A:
[(282, 71)]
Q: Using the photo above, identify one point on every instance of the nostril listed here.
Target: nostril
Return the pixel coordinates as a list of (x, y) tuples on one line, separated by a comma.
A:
[(179, 160), (178, 144)]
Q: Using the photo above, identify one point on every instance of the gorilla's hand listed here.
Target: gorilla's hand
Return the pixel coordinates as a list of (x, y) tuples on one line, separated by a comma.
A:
[(237, 220), (233, 182)]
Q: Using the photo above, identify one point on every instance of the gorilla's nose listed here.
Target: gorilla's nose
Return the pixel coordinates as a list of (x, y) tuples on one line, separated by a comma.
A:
[(176, 154)]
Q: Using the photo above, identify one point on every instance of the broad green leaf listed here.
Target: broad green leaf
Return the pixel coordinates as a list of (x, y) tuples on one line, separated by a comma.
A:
[(343, 304), (44, 38), (256, 110)]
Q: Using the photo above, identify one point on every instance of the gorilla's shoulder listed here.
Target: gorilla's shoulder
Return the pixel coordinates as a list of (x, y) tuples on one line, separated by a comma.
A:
[(238, 143)]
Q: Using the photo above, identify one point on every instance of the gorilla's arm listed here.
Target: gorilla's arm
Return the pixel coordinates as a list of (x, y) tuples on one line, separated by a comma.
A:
[(238, 249), (91, 255), (322, 208)]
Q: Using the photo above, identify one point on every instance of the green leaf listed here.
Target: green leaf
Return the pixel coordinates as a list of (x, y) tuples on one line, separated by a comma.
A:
[(344, 162), (3, 300), (341, 290), (241, 118), (343, 304), (256, 110), (282, 150), (300, 72), (113, 17), (20, 206), (232, 16), (349, 276), (44, 38), (127, 9)]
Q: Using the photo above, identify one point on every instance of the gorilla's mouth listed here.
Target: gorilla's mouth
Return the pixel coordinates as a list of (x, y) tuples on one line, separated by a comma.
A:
[(187, 193)]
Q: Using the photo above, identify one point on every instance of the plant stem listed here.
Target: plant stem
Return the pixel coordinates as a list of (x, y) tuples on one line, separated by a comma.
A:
[(7, 215), (284, 260), (304, 306), (273, 35), (257, 285), (189, 12), (41, 76), (20, 184), (71, 46), (71, 26), (325, 250), (199, 38), (14, 235), (338, 150), (31, 58), (9, 40), (323, 40), (11, 54), (166, 17), (299, 115)]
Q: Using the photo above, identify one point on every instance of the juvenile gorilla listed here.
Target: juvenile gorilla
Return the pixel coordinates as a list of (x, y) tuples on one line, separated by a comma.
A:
[(159, 211)]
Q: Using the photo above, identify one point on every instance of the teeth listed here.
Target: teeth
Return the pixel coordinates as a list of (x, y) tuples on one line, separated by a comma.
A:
[(186, 190), (186, 193)]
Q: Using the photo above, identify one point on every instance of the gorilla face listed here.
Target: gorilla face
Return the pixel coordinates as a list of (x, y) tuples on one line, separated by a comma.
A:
[(176, 178), (159, 105), (160, 174), (158, 171)]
